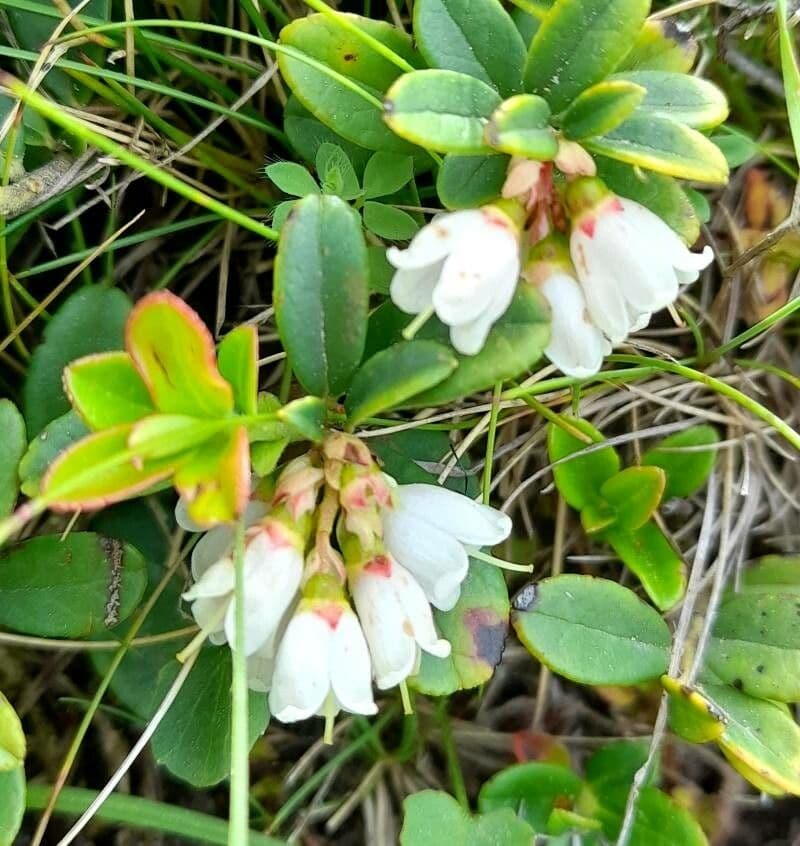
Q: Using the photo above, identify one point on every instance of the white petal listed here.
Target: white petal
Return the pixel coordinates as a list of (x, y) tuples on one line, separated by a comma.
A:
[(469, 338), (471, 522), (183, 519), (478, 271), (208, 610), (300, 682), (350, 668), (217, 580), (576, 345), (412, 290), (393, 649), (436, 239), (214, 545), (599, 283), (639, 321), (420, 616), (434, 558), (260, 666)]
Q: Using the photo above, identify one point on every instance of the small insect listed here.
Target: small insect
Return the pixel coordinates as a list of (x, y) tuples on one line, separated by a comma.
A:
[(113, 551)]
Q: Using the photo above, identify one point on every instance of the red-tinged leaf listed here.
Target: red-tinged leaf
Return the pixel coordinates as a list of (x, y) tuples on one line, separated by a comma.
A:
[(99, 470), (106, 390), (174, 352), (238, 363), (215, 480)]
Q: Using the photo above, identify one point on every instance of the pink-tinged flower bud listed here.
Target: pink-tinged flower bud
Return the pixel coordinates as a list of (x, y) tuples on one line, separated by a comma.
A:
[(347, 449), (574, 160), (298, 487)]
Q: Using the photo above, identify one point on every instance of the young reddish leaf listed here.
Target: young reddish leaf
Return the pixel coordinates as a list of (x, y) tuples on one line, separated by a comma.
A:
[(99, 470), (215, 480), (106, 390), (174, 352), (238, 363)]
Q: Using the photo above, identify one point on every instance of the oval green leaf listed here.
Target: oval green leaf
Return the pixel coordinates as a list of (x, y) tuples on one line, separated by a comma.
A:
[(73, 588), (578, 44), (679, 96), (691, 715), (755, 645), (520, 127), (664, 146), (682, 458), (601, 108), (441, 110), (57, 436), (388, 222), (12, 737), (394, 375), (332, 101), (464, 36), (237, 358), (387, 173), (773, 574), (635, 494), (662, 46), (465, 182), (106, 390), (12, 805), (592, 631), (580, 479), (648, 553), (13, 444), (322, 292)]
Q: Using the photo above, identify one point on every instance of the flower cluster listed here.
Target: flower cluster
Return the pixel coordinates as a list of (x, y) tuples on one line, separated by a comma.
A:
[(336, 530), (604, 264)]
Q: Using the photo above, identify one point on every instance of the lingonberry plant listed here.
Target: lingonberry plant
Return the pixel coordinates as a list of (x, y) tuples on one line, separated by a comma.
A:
[(391, 524)]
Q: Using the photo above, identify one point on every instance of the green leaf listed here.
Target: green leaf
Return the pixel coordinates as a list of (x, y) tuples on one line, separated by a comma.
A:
[(69, 588), (380, 271), (174, 353), (388, 222), (532, 791), (635, 494), (321, 293), (520, 127), (194, 740), (580, 479), (592, 631), (464, 182), (578, 44), (387, 173), (465, 35), (441, 110), (679, 96), (663, 46), (99, 470), (280, 213), (330, 101), (12, 737), (306, 416), (237, 357), (476, 628), (601, 108), (164, 435), (91, 320), (12, 448), (737, 148), (664, 146), (293, 179), (394, 375), (336, 172), (773, 574), (63, 432), (691, 715), (514, 345), (430, 815), (682, 458), (661, 194), (756, 645), (761, 740), (598, 516), (12, 805), (106, 390), (651, 557), (661, 822)]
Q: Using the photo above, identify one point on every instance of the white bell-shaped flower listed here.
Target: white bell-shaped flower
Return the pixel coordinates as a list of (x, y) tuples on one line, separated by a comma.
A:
[(397, 619), (577, 347), (629, 262), (322, 665), (430, 531), (465, 266), (273, 567)]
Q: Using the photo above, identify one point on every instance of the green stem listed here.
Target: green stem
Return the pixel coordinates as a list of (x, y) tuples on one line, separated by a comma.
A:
[(239, 805), (142, 814), (762, 326), (54, 113), (491, 438), (451, 754)]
